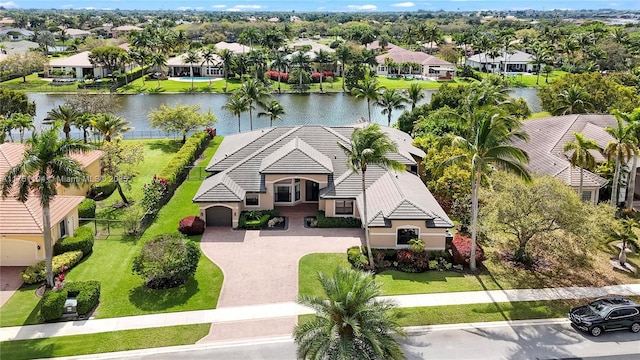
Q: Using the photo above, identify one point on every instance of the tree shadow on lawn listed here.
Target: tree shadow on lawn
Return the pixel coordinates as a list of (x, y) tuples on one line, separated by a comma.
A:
[(166, 146), (157, 300), (425, 277), (27, 349)]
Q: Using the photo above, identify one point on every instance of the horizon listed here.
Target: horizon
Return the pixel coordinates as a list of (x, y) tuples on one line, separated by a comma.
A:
[(371, 6)]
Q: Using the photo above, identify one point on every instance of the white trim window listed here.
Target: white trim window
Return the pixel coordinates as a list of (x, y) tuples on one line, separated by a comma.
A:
[(252, 199), (586, 196), (343, 207), (404, 234), (62, 227)]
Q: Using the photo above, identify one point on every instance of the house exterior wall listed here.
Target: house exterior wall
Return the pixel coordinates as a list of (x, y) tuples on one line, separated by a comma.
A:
[(382, 237), (235, 207), (271, 179), (93, 171), (330, 208)]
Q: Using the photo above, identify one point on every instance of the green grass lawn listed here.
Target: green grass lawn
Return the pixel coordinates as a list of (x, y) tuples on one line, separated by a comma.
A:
[(123, 293), (529, 80), (103, 342), (36, 84), (393, 282), (539, 115)]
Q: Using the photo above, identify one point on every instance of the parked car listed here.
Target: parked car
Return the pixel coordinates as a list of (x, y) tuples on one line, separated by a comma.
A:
[(606, 314)]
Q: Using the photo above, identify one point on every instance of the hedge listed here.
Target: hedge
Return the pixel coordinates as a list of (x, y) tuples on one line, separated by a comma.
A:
[(82, 240), (461, 250), (191, 225), (337, 222), (255, 218), (37, 273), (184, 157), (87, 294), (52, 304), (87, 209), (357, 258), (102, 190)]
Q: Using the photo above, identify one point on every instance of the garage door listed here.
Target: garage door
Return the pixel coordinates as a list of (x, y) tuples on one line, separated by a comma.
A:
[(219, 216), (17, 253)]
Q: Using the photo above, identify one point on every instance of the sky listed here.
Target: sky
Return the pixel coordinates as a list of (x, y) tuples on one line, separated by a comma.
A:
[(323, 5)]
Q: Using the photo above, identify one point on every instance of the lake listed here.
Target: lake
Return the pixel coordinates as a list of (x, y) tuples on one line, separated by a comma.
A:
[(325, 109)]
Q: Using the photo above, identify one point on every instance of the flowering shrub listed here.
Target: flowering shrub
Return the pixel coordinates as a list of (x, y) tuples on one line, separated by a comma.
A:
[(153, 193), (211, 131), (273, 75), (411, 261), (37, 272), (191, 225), (461, 249)]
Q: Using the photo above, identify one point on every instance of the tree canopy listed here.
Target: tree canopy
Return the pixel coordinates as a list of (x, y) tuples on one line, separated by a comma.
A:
[(181, 118)]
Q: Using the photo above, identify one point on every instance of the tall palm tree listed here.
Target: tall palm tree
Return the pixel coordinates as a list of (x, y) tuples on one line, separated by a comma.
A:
[(109, 125), (273, 110), (141, 56), (573, 100), (540, 55), (621, 149), (415, 94), (281, 62), (344, 55), (633, 120), (487, 146), (250, 36), (369, 146), (432, 35), (253, 91), (22, 122), (66, 115), (390, 100), (581, 156), (368, 89), (237, 104), (83, 122), (159, 61), (226, 57), (352, 324), (191, 58), (45, 162), (208, 57), (301, 61), (322, 58), (257, 59)]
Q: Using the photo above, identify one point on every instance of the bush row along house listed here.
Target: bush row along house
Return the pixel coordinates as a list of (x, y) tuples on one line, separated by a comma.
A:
[(287, 166)]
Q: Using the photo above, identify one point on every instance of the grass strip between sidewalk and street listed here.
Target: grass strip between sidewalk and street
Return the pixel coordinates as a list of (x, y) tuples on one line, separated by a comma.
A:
[(103, 342)]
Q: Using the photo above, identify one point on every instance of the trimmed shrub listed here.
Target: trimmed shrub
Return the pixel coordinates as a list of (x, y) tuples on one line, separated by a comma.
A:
[(82, 240), (87, 209), (461, 250), (184, 157), (102, 190), (87, 294), (191, 225), (167, 261), (411, 261), (52, 304), (337, 222), (254, 218), (356, 258), (36, 273)]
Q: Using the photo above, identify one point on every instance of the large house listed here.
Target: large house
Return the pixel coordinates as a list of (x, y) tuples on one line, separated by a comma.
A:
[(287, 166), (516, 62), (16, 34), (79, 65), (21, 228), (407, 62), (235, 48), (124, 30), (547, 138), (179, 66)]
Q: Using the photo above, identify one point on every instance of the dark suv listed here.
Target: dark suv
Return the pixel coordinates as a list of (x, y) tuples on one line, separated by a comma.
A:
[(606, 314)]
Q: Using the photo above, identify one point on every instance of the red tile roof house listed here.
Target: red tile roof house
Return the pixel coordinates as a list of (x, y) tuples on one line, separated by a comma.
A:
[(428, 66), (287, 166), (21, 231)]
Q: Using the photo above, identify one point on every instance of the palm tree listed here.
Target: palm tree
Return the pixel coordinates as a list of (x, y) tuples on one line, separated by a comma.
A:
[(226, 57), (343, 54), (64, 36), (21, 122), (281, 62), (83, 122), (633, 120), (273, 110), (322, 57), (621, 149), (253, 90), (158, 61), (191, 58), (627, 236), (539, 56), (237, 104), (581, 156), (257, 59), (369, 146), (391, 100), (352, 324), (368, 89), (208, 57), (64, 114), (250, 35), (487, 146), (141, 56), (301, 61), (573, 100), (46, 160), (415, 94), (109, 125), (432, 35)]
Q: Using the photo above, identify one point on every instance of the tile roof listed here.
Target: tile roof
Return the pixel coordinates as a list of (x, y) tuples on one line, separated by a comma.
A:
[(79, 60), (548, 136), (26, 218), (400, 55), (180, 60), (233, 47), (242, 160), (12, 153)]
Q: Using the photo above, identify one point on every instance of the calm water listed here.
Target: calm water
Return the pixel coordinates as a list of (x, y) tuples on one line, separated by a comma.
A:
[(326, 109)]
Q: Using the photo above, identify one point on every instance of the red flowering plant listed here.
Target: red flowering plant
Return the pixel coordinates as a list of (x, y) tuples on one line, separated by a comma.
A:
[(153, 193), (58, 282), (211, 131)]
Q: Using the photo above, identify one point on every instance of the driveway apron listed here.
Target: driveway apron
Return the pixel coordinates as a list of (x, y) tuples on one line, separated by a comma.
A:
[(10, 281)]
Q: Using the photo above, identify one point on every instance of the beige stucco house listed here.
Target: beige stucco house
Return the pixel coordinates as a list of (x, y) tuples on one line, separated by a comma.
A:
[(21, 227), (287, 166), (409, 62)]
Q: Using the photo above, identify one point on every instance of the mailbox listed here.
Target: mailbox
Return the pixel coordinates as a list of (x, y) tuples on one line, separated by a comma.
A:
[(70, 306)]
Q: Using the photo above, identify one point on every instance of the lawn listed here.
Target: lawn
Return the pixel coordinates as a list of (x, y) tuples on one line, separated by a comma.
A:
[(529, 80), (103, 342), (123, 293), (539, 115), (36, 84), (393, 282)]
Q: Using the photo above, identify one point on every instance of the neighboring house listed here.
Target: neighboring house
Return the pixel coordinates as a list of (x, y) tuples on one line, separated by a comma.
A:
[(376, 46), (547, 138), (516, 61), (414, 63), (233, 47), (77, 33), (80, 66), (16, 34), (21, 229), (177, 67), (18, 47), (123, 30), (287, 166), (6, 22), (311, 48)]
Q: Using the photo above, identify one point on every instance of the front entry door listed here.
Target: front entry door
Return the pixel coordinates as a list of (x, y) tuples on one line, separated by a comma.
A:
[(312, 191)]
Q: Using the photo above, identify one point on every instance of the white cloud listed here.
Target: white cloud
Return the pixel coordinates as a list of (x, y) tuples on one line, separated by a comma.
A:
[(404, 5), (9, 5), (66, 6), (218, 6), (362, 7), (251, 7), (233, 9), (183, 8), (89, 8)]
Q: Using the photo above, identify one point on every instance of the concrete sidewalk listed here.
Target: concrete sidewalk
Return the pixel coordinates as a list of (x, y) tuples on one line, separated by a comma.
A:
[(279, 310)]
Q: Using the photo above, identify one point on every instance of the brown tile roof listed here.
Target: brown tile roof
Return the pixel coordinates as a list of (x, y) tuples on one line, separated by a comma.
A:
[(400, 55), (26, 218), (12, 153)]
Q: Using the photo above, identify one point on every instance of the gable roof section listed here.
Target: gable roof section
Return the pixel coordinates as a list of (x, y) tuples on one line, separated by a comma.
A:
[(219, 188), (26, 218), (12, 153), (294, 158), (78, 60), (400, 55)]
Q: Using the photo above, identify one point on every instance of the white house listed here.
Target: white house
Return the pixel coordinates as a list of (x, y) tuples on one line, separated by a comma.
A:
[(409, 62), (517, 61)]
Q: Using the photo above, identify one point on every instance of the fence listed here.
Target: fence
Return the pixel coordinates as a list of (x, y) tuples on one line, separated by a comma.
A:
[(104, 228), (199, 173)]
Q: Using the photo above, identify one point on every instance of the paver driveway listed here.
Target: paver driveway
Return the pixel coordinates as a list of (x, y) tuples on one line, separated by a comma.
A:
[(10, 281)]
